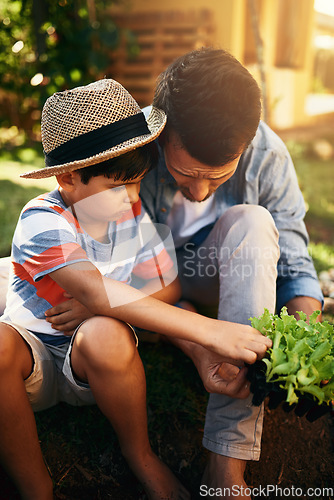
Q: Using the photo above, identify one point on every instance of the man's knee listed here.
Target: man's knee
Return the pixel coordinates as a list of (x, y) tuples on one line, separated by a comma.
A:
[(251, 222), (106, 343), (250, 216)]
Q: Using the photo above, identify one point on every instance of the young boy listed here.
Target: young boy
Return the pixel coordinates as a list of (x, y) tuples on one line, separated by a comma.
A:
[(86, 239)]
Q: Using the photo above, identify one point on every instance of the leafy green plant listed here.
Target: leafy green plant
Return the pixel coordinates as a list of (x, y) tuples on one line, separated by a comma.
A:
[(300, 362)]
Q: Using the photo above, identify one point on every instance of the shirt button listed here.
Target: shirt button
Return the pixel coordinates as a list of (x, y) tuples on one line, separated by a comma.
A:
[(163, 210)]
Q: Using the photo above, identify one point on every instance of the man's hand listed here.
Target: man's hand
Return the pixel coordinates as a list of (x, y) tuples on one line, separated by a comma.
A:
[(217, 374), (221, 377), (67, 315)]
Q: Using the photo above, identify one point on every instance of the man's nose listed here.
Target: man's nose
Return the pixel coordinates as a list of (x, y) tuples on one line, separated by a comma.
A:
[(199, 189)]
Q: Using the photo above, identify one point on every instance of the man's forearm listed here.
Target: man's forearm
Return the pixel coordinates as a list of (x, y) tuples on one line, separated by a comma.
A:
[(188, 347), (303, 303)]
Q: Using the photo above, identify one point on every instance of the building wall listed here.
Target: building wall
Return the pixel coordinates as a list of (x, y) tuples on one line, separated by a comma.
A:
[(285, 28)]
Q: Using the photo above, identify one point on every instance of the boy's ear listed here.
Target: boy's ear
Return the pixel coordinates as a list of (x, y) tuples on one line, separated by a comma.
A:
[(67, 181)]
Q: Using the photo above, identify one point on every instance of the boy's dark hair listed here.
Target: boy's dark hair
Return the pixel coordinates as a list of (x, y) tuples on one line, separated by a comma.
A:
[(124, 167), (212, 103)]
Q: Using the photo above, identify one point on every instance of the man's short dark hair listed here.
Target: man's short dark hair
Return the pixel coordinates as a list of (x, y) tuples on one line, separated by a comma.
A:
[(124, 167), (212, 103)]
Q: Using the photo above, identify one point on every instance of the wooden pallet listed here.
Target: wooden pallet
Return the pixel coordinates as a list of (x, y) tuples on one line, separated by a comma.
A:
[(159, 38)]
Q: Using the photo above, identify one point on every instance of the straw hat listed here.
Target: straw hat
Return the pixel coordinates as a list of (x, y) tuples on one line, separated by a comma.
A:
[(90, 124)]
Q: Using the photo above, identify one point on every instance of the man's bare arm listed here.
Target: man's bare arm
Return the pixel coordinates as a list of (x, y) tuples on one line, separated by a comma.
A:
[(306, 304)]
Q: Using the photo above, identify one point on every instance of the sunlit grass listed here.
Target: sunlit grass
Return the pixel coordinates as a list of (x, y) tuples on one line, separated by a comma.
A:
[(15, 191), (316, 180), (322, 255), (15, 163)]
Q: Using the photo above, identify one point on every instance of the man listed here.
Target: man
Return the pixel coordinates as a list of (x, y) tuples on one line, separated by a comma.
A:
[(219, 170)]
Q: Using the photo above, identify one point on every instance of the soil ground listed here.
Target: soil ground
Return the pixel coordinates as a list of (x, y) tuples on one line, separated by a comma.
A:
[(295, 453)]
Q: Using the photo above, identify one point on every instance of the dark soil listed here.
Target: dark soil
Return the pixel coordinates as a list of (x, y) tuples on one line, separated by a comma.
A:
[(295, 453)]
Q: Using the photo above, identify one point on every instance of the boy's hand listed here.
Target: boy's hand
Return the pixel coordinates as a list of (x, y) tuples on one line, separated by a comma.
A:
[(67, 315), (233, 341)]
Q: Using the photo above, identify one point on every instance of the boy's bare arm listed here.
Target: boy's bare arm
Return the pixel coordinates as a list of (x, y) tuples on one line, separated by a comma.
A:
[(67, 315), (106, 297), (168, 291)]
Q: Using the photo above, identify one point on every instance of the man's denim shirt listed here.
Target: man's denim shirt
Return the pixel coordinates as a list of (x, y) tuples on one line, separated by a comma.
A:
[(265, 176)]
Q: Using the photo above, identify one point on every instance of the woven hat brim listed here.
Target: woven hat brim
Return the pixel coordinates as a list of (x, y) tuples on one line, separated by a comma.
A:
[(155, 122)]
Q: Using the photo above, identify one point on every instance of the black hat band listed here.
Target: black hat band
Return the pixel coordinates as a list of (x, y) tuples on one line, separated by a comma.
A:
[(98, 140)]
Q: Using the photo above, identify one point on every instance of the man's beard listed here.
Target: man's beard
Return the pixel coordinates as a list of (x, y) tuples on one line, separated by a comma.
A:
[(188, 196)]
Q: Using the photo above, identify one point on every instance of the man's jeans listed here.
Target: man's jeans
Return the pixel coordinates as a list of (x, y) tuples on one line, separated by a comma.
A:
[(236, 268)]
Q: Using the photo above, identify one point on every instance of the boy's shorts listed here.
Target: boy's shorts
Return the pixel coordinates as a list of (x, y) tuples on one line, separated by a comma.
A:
[(52, 379)]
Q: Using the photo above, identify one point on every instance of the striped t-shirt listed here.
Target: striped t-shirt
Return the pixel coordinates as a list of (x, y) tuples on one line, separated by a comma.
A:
[(49, 237)]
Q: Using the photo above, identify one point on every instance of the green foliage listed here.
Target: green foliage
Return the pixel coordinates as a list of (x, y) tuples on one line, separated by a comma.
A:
[(322, 255), (316, 182), (302, 355), (12, 200), (64, 41)]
